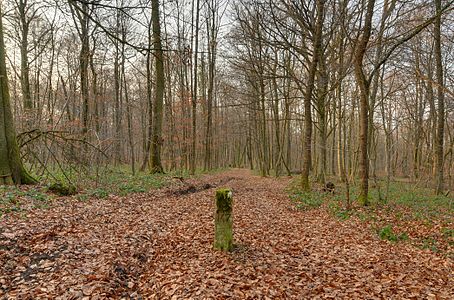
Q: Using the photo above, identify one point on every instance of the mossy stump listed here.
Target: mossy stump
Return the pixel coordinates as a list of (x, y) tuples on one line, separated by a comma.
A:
[(223, 236), (63, 189)]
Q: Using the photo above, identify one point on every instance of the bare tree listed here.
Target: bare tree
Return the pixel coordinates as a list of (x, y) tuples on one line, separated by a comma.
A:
[(156, 165)]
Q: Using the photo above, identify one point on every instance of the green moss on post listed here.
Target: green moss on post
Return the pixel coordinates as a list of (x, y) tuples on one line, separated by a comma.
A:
[(223, 238)]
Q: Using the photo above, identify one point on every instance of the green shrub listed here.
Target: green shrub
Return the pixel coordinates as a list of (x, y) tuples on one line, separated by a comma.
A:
[(387, 233)]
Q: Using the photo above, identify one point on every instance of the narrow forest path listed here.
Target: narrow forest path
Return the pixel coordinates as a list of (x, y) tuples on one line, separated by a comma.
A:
[(159, 245)]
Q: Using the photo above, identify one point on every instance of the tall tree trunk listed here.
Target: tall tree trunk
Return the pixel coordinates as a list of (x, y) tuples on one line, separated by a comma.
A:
[(11, 167), (95, 92), (441, 101), (84, 59), (322, 114), (117, 115), (194, 93), (307, 143), (128, 104), (25, 68), (149, 101), (364, 86), (433, 118), (264, 135), (212, 45), (274, 91), (155, 163)]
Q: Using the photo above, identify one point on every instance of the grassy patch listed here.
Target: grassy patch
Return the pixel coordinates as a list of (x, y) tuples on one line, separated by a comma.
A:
[(98, 193), (13, 199), (305, 200), (9, 200), (339, 212), (122, 183), (403, 201)]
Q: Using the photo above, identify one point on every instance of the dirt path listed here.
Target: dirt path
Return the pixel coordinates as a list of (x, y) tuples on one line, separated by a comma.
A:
[(159, 246)]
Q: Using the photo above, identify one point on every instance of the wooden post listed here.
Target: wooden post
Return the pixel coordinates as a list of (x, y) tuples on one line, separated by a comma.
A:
[(223, 238)]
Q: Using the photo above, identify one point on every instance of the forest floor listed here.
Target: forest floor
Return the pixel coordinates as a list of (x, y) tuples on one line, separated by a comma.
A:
[(158, 245)]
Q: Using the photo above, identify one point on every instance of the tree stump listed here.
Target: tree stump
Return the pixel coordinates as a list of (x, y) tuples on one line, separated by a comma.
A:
[(223, 239)]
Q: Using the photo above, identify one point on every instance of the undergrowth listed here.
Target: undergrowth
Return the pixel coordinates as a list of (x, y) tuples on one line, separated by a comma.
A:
[(402, 213), (13, 199), (82, 187)]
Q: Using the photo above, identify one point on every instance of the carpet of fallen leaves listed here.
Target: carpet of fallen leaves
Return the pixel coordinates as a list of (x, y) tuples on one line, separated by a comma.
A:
[(158, 245)]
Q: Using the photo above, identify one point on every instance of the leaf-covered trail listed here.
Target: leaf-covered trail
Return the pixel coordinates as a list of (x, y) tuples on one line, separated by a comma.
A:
[(159, 246)]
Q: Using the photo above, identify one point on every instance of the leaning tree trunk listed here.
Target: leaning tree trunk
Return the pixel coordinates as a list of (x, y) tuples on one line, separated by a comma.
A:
[(11, 167)]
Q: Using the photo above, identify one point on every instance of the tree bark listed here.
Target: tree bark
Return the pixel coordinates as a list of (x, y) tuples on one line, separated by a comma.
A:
[(11, 168), (149, 133), (307, 143), (364, 86), (25, 68), (441, 102), (155, 163), (193, 161), (212, 45)]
